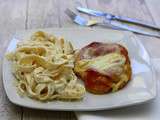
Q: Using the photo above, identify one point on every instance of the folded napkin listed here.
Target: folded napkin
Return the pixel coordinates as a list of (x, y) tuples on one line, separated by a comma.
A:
[(145, 111)]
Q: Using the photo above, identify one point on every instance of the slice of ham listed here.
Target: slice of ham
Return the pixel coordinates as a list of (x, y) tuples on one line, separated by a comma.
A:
[(96, 49)]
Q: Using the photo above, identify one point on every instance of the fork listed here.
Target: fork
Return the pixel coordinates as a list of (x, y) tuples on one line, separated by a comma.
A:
[(84, 22)]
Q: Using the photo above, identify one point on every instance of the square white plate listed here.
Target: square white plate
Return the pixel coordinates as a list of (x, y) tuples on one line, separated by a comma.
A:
[(140, 89)]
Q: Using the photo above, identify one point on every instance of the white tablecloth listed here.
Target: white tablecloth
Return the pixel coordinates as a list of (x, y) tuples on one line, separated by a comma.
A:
[(145, 111)]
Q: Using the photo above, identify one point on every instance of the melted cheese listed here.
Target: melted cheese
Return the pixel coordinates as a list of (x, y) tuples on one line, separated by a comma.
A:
[(102, 64)]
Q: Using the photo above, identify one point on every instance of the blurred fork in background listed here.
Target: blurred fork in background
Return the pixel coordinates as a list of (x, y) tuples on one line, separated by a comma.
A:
[(84, 22)]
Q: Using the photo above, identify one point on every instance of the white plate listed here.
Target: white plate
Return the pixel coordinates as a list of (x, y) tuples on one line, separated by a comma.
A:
[(140, 89)]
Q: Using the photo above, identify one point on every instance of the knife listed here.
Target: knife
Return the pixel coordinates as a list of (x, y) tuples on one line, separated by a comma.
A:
[(116, 17), (132, 29)]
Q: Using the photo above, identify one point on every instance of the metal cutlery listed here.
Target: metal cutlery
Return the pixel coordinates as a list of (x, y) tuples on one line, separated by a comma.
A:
[(109, 16), (108, 23)]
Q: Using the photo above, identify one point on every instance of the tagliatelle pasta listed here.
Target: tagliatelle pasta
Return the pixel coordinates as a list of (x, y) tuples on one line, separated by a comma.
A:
[(43, 68)]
